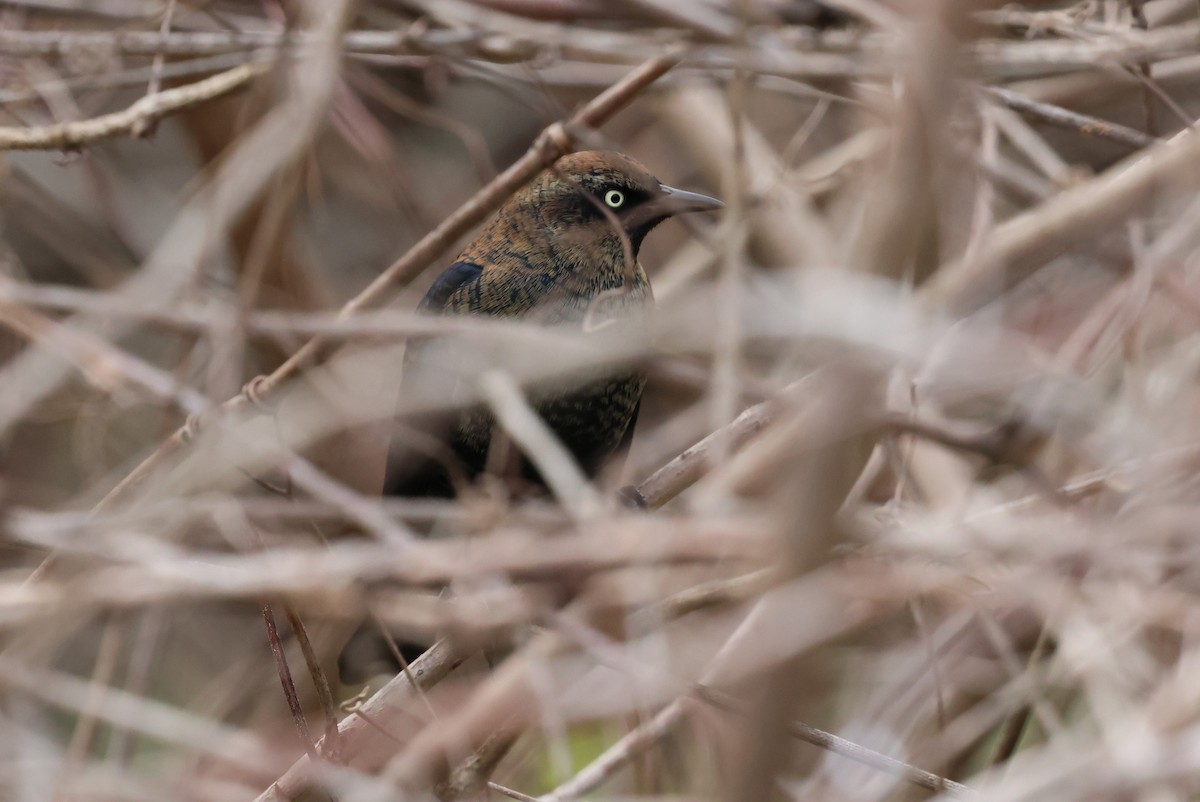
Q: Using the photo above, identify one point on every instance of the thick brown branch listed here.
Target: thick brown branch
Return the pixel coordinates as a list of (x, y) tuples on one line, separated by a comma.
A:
[(690, 466)]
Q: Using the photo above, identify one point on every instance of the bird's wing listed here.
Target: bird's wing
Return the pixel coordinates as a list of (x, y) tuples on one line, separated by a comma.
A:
[(416, 471), (451, 280)]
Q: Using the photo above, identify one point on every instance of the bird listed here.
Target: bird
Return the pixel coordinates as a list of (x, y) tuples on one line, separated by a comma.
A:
[(562, 251)]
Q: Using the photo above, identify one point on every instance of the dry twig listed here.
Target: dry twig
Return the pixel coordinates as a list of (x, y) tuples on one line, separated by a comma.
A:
[(152, 107)]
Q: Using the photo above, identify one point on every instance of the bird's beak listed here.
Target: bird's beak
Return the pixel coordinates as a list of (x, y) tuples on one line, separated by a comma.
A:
[(668, 202), (678, 201)]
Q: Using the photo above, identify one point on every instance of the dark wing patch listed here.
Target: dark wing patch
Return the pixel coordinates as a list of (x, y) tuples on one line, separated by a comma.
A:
[(455, 276), (410, 471)]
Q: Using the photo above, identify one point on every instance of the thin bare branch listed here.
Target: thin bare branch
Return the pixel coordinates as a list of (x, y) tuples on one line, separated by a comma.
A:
[(78, 133)]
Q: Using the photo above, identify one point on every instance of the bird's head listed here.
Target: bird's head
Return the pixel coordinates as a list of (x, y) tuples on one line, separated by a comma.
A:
[(595, 197)]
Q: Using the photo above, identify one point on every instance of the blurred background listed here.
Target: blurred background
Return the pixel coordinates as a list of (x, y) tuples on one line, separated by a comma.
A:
[(917, 445)]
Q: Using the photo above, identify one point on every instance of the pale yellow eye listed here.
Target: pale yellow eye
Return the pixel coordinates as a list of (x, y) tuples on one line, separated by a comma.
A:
[(614, 198)]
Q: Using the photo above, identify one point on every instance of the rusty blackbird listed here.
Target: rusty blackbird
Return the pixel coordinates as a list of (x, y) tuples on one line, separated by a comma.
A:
[(562, 251)]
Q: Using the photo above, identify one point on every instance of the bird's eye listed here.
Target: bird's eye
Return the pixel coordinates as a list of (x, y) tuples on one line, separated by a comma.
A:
[(614, 198)]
